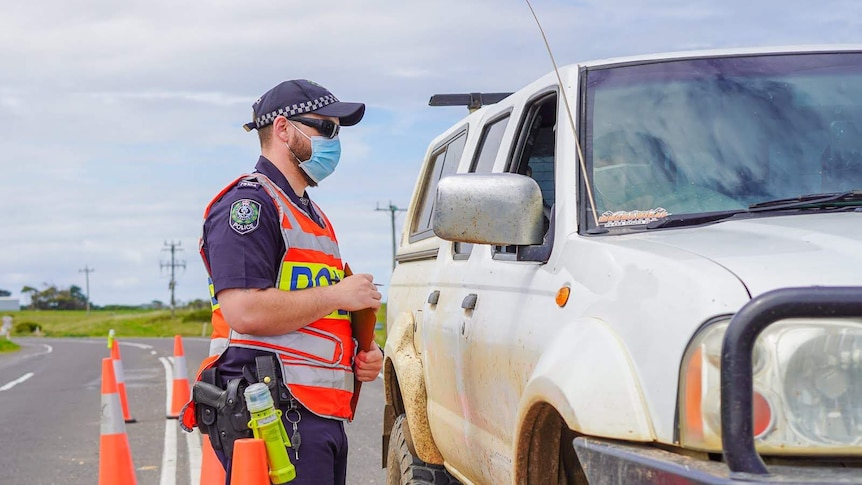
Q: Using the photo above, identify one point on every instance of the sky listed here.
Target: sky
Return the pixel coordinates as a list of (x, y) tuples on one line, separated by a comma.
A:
[(121, 120)]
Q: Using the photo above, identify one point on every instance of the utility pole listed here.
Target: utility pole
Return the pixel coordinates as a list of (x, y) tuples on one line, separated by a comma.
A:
[(87, 270), (392, 210), (173, 247)]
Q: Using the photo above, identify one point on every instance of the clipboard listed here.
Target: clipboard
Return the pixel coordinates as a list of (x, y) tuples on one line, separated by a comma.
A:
[(362, 324)]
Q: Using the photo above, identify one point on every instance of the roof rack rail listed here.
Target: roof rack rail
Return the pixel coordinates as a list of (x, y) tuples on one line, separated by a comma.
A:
[(472, 101)]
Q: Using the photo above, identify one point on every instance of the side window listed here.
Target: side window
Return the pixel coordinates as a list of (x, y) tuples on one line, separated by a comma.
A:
[(486, 154), (444, 162), (534, 157)]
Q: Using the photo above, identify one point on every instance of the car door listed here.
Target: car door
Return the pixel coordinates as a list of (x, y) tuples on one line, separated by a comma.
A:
[(492, 295)]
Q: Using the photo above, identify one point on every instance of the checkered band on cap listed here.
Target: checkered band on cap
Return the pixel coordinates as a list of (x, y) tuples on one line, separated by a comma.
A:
[(295, 109)]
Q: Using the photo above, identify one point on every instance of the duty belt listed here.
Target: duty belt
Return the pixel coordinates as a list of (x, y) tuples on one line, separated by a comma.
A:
[(222, 413)]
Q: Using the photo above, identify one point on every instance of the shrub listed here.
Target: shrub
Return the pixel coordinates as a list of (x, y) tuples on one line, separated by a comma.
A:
[(204, 315), (26, 328)]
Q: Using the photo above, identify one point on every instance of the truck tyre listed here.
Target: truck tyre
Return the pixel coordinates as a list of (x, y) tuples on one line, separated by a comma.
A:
[(405, 469)]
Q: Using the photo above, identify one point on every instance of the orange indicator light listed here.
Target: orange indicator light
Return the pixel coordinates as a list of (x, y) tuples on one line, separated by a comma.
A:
[(562, 296)]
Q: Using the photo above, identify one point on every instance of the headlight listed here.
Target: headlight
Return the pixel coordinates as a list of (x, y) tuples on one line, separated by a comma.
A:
[(823, 383), (807, 388)]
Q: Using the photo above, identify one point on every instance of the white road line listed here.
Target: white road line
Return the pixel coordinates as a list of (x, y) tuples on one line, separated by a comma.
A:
[(169, 454), (135, 344), (169, 457), (169, 382), (193, 441), (100, 341), (48, 350), (17, 381)]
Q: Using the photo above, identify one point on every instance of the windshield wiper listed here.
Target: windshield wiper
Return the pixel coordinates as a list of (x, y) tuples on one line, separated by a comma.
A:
[(851, 198), (681, 220), (811, 200)]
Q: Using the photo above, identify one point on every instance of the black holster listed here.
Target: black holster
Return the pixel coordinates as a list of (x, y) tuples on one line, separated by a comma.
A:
[(222, 413)]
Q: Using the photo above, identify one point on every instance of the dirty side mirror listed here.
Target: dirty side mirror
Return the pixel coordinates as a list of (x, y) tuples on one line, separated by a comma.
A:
[(501, 209)]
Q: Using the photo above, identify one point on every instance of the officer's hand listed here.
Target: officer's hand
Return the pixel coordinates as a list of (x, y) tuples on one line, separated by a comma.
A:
[(357, 292), (368, 364)]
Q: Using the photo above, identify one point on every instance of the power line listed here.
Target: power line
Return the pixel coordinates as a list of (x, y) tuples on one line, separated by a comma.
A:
[(392, 210), (173, 247), (87, 270)]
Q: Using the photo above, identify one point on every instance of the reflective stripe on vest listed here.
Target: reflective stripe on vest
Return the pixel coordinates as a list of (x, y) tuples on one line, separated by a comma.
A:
[(307, 344), (321, 378), (218, 345), (302, 228)]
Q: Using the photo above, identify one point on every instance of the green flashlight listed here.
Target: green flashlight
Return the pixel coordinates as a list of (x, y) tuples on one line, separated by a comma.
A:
[(266, 425)]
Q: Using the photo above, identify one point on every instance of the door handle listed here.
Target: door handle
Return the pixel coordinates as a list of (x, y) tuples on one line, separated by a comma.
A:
[(434, 297), (469, 302)]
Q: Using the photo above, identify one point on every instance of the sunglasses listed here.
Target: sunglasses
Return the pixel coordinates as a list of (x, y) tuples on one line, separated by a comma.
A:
[(326, 128)]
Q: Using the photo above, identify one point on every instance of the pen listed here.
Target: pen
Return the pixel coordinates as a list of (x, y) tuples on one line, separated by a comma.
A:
[(378, 284)]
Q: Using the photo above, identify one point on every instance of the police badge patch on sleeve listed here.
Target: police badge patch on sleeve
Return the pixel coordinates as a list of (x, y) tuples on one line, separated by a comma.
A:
[(244, 215)]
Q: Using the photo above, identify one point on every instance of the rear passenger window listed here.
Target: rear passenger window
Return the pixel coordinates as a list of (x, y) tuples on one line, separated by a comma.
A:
[(444, 162)]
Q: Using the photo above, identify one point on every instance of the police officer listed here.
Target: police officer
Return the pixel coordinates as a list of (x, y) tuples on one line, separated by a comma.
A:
[(277, 280)]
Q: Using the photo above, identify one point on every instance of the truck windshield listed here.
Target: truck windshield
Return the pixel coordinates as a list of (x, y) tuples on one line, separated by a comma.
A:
[(721, 134)]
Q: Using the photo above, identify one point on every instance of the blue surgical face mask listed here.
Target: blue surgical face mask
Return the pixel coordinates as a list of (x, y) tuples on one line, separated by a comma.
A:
[(325, 153)]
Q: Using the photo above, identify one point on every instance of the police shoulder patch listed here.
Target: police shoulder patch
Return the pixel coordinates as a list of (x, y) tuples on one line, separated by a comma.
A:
[(244, 215)]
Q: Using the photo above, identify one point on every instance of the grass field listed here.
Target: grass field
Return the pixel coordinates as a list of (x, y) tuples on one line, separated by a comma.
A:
[(126, 323), (8, 345)]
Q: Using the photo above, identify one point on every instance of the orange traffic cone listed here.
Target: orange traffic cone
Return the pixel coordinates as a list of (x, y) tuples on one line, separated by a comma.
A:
[(121, 380), (115, 456), (249, 463), (212, 471), (181, 394)]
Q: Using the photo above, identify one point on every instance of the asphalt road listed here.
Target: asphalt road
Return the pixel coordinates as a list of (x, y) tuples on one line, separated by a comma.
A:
[(50, 409)]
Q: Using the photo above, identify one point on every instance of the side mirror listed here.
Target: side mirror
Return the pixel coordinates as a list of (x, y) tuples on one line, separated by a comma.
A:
[(501, 209)]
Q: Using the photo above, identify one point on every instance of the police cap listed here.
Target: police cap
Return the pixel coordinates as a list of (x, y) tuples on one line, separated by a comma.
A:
[(300, 96)]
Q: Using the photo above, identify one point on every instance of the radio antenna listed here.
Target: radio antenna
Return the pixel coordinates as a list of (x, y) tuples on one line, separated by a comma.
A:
[(571, 118)]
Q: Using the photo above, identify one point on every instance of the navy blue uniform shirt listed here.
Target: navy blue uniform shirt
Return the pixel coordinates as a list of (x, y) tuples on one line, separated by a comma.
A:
[(247, 255)]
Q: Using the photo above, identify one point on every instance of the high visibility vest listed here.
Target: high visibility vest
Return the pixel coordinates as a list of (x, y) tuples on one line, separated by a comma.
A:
[(317, 360)]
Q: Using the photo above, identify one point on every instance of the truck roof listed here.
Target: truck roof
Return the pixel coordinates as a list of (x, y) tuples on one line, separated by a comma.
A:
[(791, 49)]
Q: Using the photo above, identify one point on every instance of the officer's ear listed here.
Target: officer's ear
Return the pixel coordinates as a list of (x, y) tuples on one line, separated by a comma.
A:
[(280, 128)]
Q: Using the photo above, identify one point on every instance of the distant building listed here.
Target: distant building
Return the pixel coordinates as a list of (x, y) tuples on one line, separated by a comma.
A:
[(9, 304)]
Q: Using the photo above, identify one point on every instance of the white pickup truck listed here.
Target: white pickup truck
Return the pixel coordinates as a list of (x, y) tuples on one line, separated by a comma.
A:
[(638, 270)]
